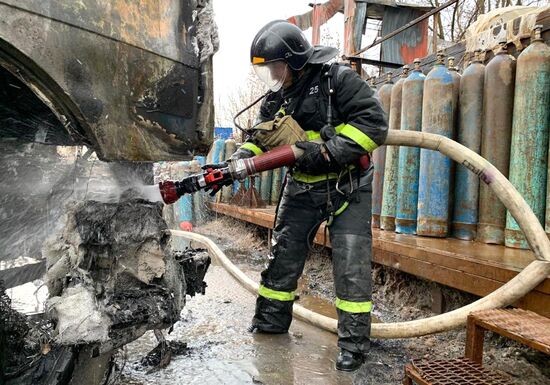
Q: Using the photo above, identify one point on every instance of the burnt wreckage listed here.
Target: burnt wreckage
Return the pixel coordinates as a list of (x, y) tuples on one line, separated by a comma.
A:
[(131, 81), (112, 275)]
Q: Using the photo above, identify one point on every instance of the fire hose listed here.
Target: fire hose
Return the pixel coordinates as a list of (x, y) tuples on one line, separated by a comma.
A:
[(506, 295)]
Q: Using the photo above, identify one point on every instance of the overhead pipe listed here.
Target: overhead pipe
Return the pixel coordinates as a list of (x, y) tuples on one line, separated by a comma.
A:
[(507, 294)]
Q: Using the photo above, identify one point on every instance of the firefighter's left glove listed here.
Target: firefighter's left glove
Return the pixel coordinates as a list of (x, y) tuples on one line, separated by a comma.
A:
[(315, 160)]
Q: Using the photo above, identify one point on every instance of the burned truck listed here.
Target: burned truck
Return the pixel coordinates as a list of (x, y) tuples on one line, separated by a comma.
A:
[(124, 83)]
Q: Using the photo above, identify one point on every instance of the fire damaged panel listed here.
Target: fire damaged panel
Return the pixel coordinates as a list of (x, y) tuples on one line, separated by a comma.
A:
[(162, 27), (409, 44), (126, 73)]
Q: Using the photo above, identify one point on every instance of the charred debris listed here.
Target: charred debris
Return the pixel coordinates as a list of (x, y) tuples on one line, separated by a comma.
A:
[(112, 274)]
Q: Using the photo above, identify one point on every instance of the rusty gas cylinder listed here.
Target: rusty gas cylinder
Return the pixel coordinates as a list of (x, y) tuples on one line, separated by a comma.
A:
[(389, 195), (379, 156), (466, 191), (409, 157), (529, 149), (230, 147), (498, 105), (438, 112)]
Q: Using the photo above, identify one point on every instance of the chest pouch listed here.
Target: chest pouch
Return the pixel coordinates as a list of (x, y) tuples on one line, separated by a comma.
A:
[(278, 132)]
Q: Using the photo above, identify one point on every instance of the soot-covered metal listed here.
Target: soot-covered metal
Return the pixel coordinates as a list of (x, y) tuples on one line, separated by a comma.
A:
[(122, 77)]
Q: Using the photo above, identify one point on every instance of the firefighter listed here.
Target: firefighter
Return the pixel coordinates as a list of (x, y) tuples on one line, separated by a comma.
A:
[(329, 102)]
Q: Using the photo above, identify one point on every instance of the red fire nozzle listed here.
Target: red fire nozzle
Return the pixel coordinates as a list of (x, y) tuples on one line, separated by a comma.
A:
[(168, 192)]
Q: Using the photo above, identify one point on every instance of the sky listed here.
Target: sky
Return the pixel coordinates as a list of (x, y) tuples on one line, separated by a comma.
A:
[(238, 22)]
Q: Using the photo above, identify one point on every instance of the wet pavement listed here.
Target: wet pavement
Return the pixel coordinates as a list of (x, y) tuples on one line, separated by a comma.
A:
[(221, 351)]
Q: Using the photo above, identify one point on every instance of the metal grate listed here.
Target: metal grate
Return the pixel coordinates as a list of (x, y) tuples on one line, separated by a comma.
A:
[(460, 371), (525, 325)]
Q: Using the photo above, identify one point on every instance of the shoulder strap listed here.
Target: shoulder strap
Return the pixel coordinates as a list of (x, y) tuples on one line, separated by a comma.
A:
[(331, 73)]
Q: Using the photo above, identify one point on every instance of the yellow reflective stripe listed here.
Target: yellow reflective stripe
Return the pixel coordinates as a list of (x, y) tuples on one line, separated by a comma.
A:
[(258, 60), (353, 307), (312, 135), (308, 178), (274, 294), (281, 111), (358, 137), (342, 208), (252, 147)]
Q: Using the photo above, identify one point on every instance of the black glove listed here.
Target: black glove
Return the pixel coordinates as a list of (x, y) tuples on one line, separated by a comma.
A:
[(315, 160)]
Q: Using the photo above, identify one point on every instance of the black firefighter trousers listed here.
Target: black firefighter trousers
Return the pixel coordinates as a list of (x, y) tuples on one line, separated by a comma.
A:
[(301, 210)]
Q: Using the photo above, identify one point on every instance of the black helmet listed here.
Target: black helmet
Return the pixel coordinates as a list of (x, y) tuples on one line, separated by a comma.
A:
[(281, 45), (281, 40)]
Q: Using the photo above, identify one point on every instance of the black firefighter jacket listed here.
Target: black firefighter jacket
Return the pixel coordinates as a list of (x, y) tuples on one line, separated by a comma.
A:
[(360, 121)]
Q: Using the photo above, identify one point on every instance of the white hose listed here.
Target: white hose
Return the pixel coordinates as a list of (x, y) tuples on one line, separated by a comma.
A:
[(507, 294)]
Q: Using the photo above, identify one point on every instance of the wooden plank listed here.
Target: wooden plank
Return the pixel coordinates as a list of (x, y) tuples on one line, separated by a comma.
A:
[(474, 341), (470, 283), (259, 218), (473, 251), (503, 265), (454, 278)]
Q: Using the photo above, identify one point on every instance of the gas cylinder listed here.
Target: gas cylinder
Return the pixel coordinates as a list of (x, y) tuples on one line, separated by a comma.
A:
[(230, 146), (391, 170), (409, 157), (184, 206), (283, 174), (258, 183), (218, 153), (275, 186), (456, 87), (529, 149), (265, 187), (466, 191), (201, 159), (379, 156), (438, 111), (498, 105)]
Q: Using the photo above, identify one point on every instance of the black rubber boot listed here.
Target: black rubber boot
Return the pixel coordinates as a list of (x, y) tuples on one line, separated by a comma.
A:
[(271, 316), (349, 361)]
